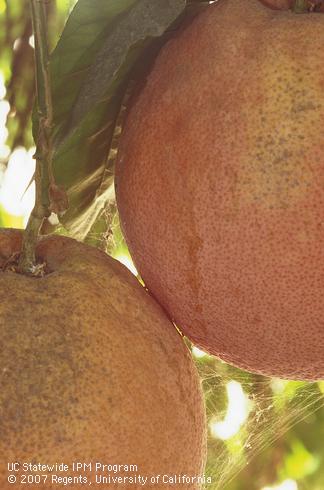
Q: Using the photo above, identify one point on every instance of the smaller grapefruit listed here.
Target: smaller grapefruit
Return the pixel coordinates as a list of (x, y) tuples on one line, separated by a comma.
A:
[(92, 370)]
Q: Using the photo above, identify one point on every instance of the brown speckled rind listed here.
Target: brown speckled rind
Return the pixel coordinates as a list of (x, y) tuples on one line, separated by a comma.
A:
[(220, 186), (278, 4), (91, 369), (312, 5)]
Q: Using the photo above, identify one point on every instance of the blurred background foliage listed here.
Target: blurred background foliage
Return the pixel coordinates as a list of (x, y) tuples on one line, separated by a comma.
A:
[(263, 433)]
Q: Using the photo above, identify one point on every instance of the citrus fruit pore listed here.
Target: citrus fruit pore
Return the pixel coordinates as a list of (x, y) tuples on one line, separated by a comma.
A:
[(92, 370), (220, 186)]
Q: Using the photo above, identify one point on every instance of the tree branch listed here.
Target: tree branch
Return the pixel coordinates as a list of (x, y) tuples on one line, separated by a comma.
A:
[(44, 150)]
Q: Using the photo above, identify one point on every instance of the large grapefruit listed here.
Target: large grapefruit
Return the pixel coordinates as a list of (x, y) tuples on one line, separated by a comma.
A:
[(92, 371), (220, 185)]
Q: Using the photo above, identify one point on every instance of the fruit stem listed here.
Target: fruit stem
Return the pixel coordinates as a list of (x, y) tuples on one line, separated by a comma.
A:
[(44, 178), (300, 6)]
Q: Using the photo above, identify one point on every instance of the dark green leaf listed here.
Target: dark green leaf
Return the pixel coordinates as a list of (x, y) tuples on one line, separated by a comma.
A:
[(90, 66)]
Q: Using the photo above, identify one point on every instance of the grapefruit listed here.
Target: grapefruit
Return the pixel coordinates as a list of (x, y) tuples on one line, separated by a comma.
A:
[(220, 186), (92, 371)]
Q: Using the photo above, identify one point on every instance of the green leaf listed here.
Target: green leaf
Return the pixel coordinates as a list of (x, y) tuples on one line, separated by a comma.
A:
[(90, 68), (299, 462)]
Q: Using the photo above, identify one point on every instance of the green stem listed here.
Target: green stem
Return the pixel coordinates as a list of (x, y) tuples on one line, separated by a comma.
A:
[(44, 152), (300, 6)]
